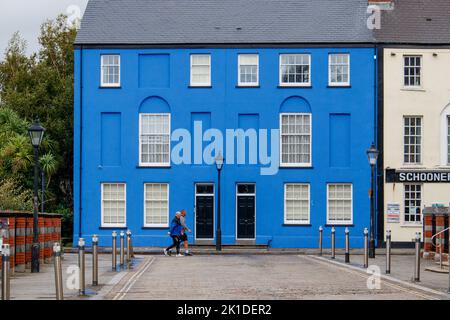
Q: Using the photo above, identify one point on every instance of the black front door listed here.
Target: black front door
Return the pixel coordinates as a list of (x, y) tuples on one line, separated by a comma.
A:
[(204, 208), (246, 213)]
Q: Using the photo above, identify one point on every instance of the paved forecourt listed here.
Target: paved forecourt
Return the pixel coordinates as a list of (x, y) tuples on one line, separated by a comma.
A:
[(256, 277)]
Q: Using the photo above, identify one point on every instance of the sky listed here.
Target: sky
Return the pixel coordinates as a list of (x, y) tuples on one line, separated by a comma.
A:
[(26, 16)]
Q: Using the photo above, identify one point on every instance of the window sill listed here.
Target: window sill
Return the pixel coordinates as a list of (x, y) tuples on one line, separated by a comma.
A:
[(113, 228), (295, 86), (297, 225), (154, 167), (412, 167), (110, 87), (343, 86), (411, 225), (296, 166), (200, 87), (247, 87), (155, 228), (413, 89)]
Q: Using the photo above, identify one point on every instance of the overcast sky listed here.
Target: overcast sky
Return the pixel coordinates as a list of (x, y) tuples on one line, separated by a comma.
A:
[(26, 16)]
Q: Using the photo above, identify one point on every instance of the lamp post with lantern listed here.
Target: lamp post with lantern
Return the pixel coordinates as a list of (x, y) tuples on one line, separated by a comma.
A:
[(219, 165), (36, 132), (372, 155)]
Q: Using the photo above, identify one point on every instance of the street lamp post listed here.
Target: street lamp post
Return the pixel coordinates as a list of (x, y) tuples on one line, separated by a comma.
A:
[(219, 166), (372, 154), (36, 132)]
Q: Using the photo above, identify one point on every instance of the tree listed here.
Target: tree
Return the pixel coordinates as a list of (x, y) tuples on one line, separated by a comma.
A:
[(40, 86)]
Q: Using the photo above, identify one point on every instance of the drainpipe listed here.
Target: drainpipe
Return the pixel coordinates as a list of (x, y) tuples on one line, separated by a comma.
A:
[(81, 146)]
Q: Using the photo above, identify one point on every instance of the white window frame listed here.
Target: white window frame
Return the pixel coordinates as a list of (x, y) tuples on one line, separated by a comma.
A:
[(338, 84), (448, 139), (294, 84), (109, 85), (113, 225), (149, 164), (412, 223), (417, 163), (206, 84), (295, 165), (335, 222), (248, 84), (445, 142), (413, 87), (297, 222), (162, 225)]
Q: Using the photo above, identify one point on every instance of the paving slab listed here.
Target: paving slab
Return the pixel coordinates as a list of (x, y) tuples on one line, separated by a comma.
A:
[(254, 277), (41, 286)]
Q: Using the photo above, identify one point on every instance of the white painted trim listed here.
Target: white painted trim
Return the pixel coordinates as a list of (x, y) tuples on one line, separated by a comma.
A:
[(110, 85), (413, 88), (339, 84), (112, 225), (248, 84), (146, 225), (147, 164), (297, 222), (195, 209), (337, 223), (236, 209), (445, 114), (422, 127), (295, 165), (403, 223), (296, 84), (206, 84)]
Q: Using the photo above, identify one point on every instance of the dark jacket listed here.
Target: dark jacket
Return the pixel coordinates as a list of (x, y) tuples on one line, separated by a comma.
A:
[(175, 227)]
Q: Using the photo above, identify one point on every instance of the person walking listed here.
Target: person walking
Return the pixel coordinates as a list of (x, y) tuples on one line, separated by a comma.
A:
[(175, 233), (184, 237)]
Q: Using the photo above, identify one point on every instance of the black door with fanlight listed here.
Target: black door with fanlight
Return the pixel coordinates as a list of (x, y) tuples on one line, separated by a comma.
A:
[(204, 211), (246, 213)]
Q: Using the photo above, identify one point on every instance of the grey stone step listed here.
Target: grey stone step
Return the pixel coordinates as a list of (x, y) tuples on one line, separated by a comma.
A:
[(437, 269)]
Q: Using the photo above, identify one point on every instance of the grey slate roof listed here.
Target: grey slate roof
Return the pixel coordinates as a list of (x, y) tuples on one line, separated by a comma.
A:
[(410, 22), (177, 22), (224, 22)]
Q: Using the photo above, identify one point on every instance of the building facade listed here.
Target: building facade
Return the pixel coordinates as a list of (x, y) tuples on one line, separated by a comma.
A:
[(414, 122), (417, 139), (151, 116)]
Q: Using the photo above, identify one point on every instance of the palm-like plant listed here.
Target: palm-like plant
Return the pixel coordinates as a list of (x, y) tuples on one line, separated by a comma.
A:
[(49, 165)]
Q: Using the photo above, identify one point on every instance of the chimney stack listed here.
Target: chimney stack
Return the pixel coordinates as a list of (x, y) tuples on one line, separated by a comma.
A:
[(383, 4)]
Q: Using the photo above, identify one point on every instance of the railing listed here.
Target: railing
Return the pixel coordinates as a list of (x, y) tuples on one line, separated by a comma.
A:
[(441, 237)]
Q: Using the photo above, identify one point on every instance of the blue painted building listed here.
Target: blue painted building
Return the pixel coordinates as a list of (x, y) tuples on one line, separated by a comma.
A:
[(147, 74)]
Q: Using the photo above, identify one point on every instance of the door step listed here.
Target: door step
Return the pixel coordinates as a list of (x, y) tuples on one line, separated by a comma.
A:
[(206, 245), (437, 269)]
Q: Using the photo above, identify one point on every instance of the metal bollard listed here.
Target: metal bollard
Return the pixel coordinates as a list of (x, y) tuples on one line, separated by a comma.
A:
[(82, 265), (449, 277), (95, 260), (128, 246), (333, 243), (320, 240), (388, 251), (131, 246), (122, 248), (58, 271), (5, 272), (347, 245), (417, 258), (440, 250), (114, 251), (366, 248)]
